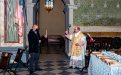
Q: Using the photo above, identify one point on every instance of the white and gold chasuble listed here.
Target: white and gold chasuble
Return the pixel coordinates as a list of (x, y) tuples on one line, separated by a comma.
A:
[(76, 50), (77, 53)]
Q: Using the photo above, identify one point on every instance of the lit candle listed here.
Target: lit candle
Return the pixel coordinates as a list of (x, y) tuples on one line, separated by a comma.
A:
[(46, 33)]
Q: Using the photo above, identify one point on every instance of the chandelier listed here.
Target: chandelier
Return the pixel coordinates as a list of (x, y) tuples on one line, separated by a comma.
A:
[(49, 5)]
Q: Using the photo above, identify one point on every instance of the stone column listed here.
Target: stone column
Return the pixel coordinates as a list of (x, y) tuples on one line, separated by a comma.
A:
[(69, 21), (29, 11), (66, 27), (30, 16)]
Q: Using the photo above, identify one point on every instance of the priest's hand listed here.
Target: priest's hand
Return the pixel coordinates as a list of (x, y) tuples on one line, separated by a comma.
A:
[(66, 32)]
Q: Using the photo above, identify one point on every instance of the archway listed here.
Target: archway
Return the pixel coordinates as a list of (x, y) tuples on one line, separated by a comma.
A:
[(54, 21)]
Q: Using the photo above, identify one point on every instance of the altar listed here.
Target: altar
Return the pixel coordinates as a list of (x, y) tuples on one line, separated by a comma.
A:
[(104, 63)]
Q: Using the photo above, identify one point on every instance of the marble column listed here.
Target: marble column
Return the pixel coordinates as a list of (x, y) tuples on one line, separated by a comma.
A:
[(30, 17), (69, 21)]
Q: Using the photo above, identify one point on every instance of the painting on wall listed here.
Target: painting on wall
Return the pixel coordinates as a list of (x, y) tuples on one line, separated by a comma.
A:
[(98, 13), (13, 20), (11, 23)]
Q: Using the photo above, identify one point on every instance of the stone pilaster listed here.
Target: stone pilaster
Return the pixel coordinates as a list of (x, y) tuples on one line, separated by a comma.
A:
[(30, 17), (69, 20)]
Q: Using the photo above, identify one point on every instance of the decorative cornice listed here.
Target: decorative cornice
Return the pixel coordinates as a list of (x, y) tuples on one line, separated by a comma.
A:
[(30, 4), (100, 28), (72, 6)]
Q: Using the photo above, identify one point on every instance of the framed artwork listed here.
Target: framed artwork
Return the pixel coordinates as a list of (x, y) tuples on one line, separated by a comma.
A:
[(11, 28), (13, 20)]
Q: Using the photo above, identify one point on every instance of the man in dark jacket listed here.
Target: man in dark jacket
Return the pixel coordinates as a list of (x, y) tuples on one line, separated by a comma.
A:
[(34, 41)]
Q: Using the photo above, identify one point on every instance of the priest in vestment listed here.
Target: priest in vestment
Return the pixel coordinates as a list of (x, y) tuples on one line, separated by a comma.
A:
[(78, 48)]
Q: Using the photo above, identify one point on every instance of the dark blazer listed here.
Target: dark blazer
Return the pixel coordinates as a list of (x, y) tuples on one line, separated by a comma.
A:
[(33, 39)]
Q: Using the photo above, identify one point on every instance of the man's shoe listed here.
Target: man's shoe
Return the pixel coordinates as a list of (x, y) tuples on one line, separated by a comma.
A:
[(31, 72), (38, 69)]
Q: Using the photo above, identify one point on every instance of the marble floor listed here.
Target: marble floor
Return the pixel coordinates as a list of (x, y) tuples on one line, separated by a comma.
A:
[(53, 61)]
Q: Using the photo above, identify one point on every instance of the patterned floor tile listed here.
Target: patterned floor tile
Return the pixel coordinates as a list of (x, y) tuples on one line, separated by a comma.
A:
[(53, 62)]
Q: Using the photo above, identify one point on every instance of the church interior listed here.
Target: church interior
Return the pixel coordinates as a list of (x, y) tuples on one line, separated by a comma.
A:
[(99, 21)]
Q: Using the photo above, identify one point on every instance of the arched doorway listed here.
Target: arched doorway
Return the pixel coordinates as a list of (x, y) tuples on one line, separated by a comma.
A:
[(54, 21)]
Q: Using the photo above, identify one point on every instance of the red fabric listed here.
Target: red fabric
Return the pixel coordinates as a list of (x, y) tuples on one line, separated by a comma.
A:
[(91, 40)]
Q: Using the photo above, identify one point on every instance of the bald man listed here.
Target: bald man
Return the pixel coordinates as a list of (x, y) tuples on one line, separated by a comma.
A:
[(78, 48)]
